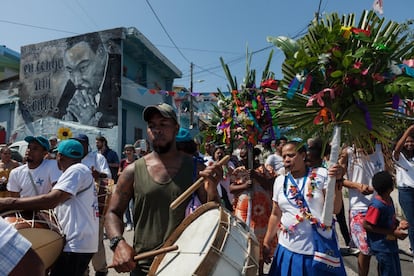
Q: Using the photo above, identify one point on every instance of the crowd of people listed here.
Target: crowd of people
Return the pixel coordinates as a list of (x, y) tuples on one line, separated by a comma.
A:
[(71, 178), (278, 190)]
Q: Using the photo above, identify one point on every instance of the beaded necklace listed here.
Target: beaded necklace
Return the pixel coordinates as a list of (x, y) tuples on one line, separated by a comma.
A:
[(297, 199)]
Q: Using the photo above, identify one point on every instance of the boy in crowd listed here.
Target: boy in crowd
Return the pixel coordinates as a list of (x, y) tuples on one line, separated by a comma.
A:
[(383, 228)]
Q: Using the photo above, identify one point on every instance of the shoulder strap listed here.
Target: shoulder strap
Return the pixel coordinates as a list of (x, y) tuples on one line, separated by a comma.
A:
[(81, 191), (32, 181)]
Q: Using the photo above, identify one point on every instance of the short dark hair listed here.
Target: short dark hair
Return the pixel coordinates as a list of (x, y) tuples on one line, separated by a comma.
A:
[(382, 182), (94, 40), (282, 138), (300, 147), (102, 139)]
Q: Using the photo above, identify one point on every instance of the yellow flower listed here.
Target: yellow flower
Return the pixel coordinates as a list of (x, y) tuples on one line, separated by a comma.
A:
[(347, 31), (64, 133)]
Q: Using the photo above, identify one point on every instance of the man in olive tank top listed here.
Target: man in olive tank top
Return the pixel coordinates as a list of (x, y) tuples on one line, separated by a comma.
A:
[(154, 182)]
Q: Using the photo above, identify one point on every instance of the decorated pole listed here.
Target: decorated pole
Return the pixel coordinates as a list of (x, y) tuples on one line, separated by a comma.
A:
[(250, 158), (328, 205), (246, 119)]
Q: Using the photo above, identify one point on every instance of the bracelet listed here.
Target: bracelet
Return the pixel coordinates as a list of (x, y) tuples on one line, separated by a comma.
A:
[(340, 180)]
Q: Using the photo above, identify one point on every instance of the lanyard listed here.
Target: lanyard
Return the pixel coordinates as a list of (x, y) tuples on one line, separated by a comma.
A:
[(299, 194)]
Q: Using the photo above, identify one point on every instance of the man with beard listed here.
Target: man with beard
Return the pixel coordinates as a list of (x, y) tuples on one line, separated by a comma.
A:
[(110, 155), (38, 175), (154, 181)]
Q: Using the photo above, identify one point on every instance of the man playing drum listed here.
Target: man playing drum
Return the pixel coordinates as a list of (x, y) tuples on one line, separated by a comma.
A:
[(154, 181), (75, 202), (38, 175), (101, 173)]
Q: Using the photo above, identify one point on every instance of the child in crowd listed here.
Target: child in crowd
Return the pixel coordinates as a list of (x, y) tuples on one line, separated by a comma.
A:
[(383, 228)]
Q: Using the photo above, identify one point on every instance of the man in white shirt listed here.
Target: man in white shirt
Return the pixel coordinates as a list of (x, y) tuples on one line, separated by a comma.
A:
[(38, 175), (274, 162), (100, 170)]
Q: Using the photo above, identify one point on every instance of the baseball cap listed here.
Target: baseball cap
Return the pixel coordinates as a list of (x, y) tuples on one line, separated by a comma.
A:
[(71, 148), (81, 138), (164, 109), (40, 140), (183, 135), (129, 146)]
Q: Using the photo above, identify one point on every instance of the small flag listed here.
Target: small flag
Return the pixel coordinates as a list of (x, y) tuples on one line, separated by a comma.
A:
[(378, 6)]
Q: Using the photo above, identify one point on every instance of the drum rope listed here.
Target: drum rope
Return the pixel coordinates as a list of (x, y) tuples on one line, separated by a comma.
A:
[(234, 264), (219, 252), (51, 219), (48, 243), (241, 225)]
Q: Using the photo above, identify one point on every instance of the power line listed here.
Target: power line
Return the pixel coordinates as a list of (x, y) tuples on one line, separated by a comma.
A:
[(86, 13), (200, 50), (38, 27), (166, 32)]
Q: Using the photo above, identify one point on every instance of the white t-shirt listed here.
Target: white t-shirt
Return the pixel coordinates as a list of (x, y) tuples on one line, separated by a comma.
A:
[(43, 177), (225, 183), (79, 215), (98, 161), (404, 172), (361, 169), (275, 160), (300, 240)]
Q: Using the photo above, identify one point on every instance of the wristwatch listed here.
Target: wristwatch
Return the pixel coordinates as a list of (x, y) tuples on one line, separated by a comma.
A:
[(114, 242)]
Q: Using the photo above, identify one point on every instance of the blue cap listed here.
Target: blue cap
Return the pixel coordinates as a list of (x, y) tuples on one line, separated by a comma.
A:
[(183, 135), (70, 148), (82, 138), (40, 140)]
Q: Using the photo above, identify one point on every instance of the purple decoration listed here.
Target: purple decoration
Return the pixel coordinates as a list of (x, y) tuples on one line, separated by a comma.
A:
[(367, 116), (269, 118), (395, 101)]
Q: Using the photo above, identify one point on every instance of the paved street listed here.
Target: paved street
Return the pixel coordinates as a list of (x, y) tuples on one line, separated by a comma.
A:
[(350, 261)]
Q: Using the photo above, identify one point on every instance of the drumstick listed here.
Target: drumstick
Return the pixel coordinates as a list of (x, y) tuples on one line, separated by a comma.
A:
[(194, 187), (152, 253)]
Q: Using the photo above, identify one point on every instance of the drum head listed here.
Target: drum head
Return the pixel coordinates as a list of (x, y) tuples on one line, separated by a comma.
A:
[(210, 242)]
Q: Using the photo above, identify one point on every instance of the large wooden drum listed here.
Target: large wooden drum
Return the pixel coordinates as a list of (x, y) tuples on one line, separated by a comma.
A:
[(42, 229), (211, 241)]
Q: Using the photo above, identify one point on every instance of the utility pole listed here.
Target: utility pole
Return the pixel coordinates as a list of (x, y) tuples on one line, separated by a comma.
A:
[(191, 96)]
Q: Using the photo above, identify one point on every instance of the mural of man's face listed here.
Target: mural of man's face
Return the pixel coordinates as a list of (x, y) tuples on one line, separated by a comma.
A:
[(85, 67)]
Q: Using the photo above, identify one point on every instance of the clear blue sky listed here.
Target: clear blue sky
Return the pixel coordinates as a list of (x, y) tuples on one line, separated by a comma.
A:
[(203, 30)]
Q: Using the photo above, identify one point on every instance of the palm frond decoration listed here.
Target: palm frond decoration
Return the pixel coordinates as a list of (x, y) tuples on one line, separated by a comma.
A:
[(340, 73), (245, 116)]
